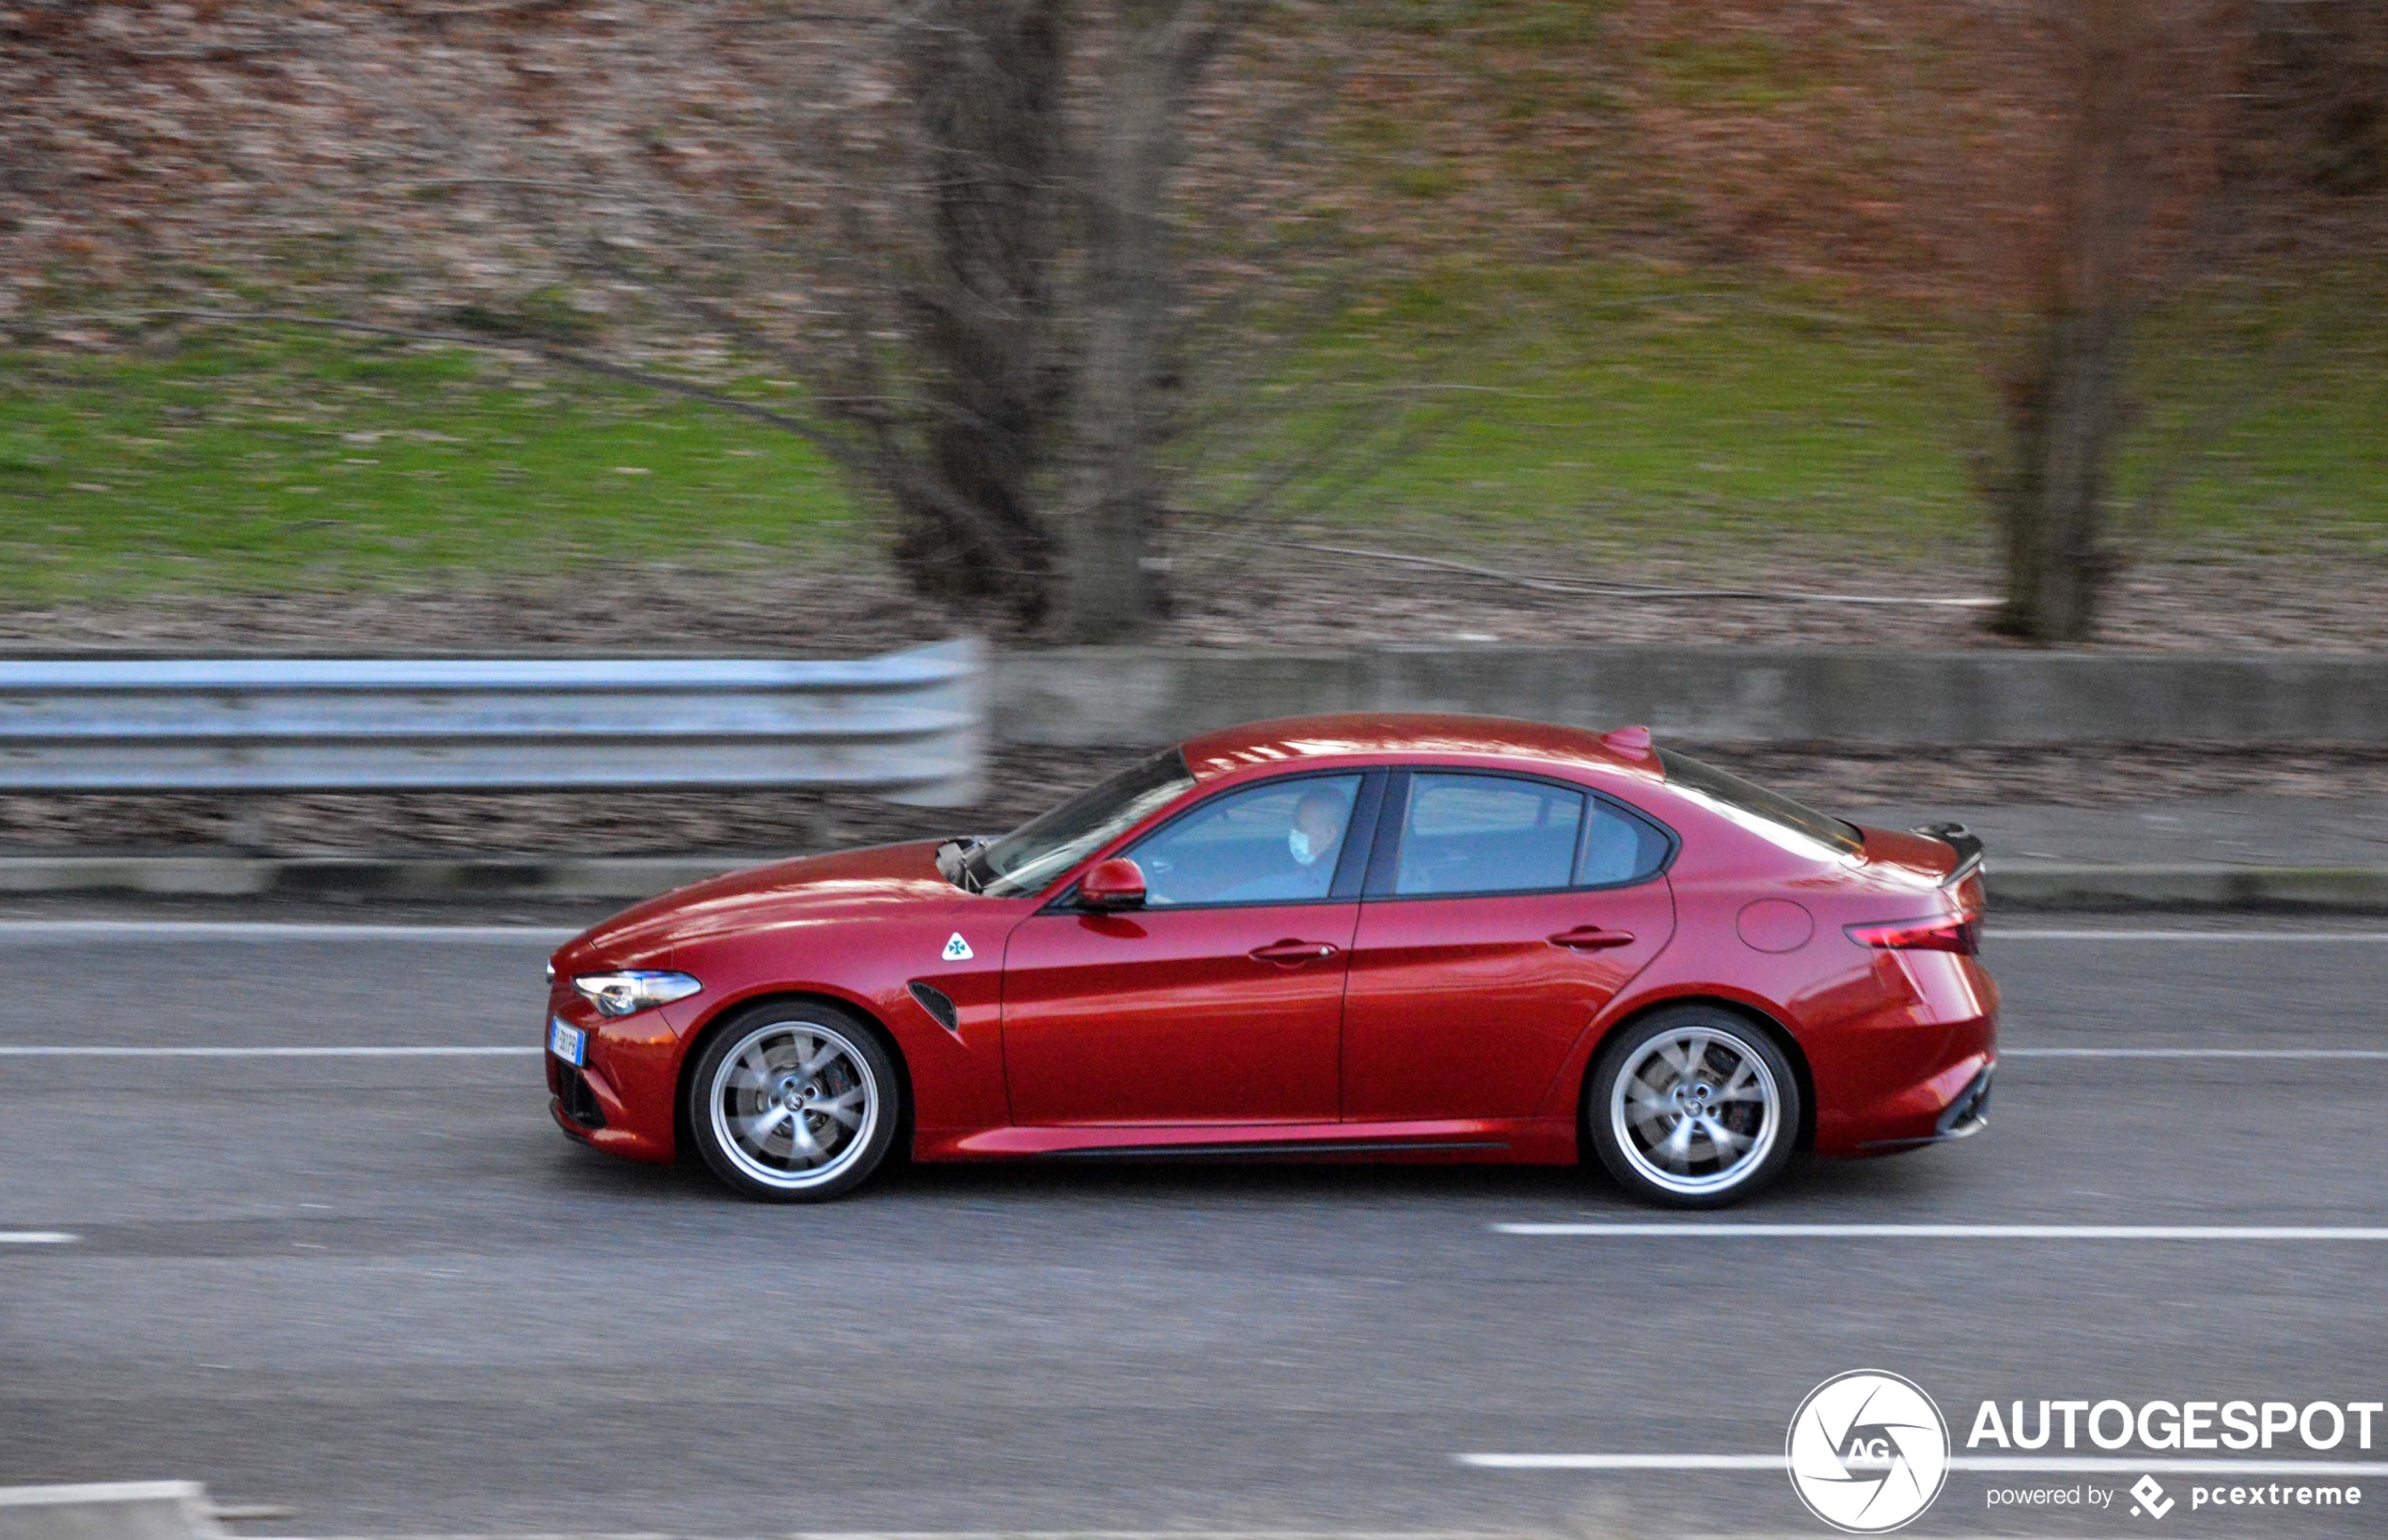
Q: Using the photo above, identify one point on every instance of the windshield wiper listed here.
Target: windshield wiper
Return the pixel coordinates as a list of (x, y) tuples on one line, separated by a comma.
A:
[(953, 861)]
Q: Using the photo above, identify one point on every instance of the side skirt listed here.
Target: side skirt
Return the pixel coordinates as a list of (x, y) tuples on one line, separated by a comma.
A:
[(1287, 1149), (1491, 1141)]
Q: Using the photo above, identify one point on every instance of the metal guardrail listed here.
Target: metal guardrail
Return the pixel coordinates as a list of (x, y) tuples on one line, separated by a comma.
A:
[(910, 724)]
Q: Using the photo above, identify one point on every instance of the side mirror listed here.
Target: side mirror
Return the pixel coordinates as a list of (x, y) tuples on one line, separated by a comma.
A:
[(1115, 883)]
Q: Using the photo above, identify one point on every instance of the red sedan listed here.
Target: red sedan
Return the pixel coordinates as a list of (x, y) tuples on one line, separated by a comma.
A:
[(1408, 938)]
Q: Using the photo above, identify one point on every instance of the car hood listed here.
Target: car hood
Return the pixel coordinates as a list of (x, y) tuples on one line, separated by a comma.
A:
[(815, 890)]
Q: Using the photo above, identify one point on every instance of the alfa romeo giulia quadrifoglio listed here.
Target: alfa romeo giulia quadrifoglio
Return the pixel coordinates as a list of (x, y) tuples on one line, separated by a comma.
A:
[(1354, 937)]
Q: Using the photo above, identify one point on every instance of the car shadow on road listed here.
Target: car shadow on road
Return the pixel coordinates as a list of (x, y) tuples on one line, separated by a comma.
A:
[(1807, 1182), (1299, 1181), (1537, 1191)]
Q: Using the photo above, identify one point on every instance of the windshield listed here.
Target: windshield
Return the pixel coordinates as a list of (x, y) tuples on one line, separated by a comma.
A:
[(1759, 811), (1048, 845)]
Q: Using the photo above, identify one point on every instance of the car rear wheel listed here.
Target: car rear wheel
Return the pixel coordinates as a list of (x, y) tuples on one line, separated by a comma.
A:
[(1693, 1106), (793, 1102)]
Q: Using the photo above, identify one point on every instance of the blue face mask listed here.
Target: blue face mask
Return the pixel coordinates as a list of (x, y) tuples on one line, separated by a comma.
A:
[(1299, 842)]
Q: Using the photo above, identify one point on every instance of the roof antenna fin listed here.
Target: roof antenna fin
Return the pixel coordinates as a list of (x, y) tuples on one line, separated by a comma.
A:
[(1633, 743)]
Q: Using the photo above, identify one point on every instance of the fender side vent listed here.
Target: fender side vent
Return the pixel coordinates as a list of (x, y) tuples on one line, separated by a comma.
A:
[(938, 1004)]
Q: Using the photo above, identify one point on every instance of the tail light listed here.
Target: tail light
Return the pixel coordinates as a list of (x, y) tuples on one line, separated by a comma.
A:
[(1962, 936)]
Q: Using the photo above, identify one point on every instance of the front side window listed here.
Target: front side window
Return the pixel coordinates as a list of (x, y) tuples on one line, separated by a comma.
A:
[(1487, 834), (1276, 843), (1040, 850)]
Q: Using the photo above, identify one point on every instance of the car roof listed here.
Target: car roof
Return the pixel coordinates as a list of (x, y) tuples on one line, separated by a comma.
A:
[(1288, 740)]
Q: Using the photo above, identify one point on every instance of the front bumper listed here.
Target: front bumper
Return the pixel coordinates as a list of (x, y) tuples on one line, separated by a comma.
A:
[(621, 1100)]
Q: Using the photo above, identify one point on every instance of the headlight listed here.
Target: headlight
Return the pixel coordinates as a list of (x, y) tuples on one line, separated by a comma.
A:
[(624, 994)]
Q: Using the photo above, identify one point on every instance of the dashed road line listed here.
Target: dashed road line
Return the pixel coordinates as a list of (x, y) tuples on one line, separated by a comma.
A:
[(1662, 1229), (262, 929), (278, 930), (1152, 1534), (1996, 1464), (138, 1050), (65, 1050), (2184, 936), (2193, 1053)]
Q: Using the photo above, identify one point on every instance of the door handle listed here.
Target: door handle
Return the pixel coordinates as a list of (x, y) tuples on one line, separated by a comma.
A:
[(1289, 953), (1591, 938)]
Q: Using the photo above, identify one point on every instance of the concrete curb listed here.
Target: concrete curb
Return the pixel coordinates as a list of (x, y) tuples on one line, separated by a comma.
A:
[(2321, 889), (2038, 885), (1085, 695), (119, 1510)]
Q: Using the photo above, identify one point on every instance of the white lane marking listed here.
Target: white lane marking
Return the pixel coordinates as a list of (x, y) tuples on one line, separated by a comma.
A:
[(2082, 1464), (2193, 1053), (1149, 1534), (260, 930), (37, 1237), (1959, 1232), (2184, 936), (278, 930), (1623, 1462), (45, 1050), (2090, 1464), (1016, 1534)]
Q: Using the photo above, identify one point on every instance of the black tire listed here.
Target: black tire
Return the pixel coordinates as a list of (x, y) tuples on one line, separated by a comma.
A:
[(790, 1072), (1740, 1087)]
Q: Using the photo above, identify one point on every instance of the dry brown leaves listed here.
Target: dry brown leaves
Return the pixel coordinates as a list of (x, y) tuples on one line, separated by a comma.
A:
[(416, 155)]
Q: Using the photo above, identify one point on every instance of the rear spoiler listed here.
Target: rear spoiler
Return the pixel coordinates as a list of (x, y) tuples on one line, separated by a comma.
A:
[(1967, 844)]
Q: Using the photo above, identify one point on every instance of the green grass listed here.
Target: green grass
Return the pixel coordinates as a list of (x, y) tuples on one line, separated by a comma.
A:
[(2283, 399), (1748, 73), (1686, 408), (1633, 403), (1641, 408), (273, 458)]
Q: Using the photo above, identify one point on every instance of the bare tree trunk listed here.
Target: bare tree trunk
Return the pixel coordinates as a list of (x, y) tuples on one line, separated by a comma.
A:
[(2064, 404), (987, 78), (2063, 419), (1110, 591)]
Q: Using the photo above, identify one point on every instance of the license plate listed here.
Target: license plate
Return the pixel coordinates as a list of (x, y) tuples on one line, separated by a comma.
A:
[(569, 1043)]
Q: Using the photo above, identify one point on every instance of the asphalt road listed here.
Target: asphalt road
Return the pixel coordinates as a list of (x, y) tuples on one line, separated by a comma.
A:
[(385, 1294)]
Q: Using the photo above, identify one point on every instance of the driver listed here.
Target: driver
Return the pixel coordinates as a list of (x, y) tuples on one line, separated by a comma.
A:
[(1318, 829)]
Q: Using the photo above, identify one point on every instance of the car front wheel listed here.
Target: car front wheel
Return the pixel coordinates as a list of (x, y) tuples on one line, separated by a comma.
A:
[(793, 1102), (1692, 1106)]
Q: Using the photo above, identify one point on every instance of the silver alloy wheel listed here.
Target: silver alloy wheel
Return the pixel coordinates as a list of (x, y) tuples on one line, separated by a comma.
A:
[(794, 1104), (1696, 1110)]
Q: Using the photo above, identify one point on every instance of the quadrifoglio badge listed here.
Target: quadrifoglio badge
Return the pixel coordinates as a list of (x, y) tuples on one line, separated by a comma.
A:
[(1868, 1451)]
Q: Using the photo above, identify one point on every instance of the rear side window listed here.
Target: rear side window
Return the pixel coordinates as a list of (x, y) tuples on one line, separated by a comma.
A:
[(1765, 813), (1618, 847), (1487, 834)]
